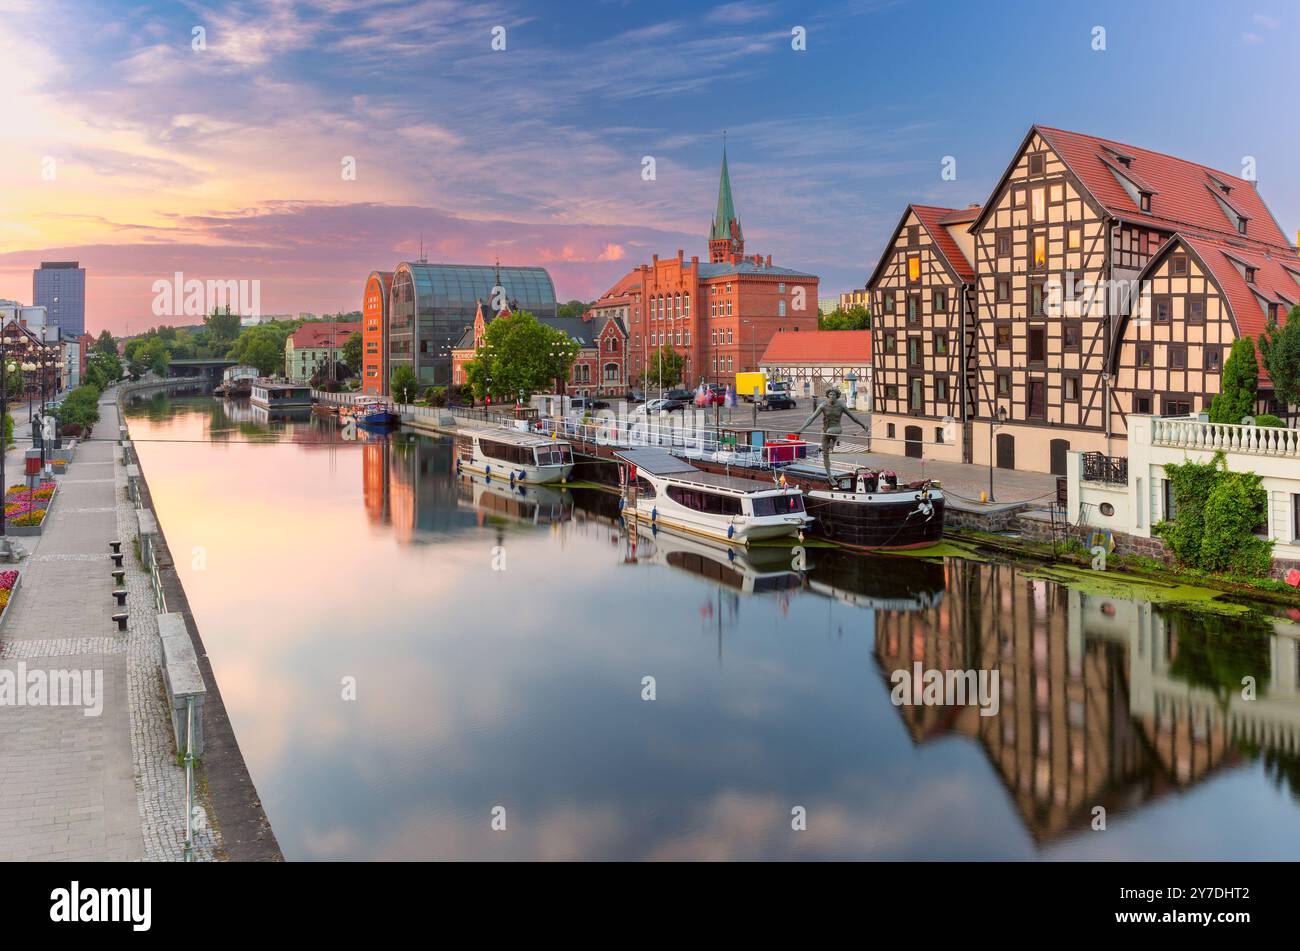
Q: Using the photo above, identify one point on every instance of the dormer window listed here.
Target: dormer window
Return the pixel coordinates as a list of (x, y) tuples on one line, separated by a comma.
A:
[(1145, 202), (1241, 225), (1250, 274)]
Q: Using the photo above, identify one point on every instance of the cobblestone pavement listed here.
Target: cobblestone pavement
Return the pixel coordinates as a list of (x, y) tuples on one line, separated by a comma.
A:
[(83, 787)]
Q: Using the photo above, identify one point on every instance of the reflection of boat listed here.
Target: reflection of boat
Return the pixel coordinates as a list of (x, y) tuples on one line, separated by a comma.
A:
[(882, 583), (538, 504), (262, 414), (663, 489), (751, 570), (863, 508), (513, 455)]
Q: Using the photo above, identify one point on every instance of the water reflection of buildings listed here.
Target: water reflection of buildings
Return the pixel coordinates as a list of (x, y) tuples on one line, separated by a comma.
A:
[(409, 482), (1104, 701)]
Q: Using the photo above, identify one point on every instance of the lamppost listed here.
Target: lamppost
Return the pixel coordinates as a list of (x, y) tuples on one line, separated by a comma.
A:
[(1001, 420), (5, 368)]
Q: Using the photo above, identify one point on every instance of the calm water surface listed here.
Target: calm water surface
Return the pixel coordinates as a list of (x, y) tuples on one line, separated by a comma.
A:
[(499, 645)]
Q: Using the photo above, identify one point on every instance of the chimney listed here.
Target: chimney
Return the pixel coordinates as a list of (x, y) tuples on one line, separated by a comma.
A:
[(680, 253), (655, 258), (769, 260), (695, 262)]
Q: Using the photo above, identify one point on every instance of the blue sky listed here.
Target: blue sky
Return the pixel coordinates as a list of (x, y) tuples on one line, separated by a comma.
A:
[(225, 162)]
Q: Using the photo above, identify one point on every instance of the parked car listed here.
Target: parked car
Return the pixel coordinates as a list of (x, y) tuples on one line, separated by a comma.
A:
[(656, 406), (636, 396), (776, 401), (586, 404), (683, 396)]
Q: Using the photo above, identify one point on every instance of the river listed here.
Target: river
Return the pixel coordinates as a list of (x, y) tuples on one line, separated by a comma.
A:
[(418, 666)]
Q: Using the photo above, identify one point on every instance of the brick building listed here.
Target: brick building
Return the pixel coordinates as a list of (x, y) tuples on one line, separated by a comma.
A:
[(374, 333), (720, 315)]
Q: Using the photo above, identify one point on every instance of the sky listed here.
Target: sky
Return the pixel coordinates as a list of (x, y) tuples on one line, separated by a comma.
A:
[(134, 152)]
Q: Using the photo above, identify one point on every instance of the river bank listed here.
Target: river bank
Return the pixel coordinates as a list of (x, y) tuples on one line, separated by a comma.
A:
[(222, 774)]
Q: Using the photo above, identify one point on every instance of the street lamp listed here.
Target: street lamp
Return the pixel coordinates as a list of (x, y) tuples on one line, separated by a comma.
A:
[(1001, 420)]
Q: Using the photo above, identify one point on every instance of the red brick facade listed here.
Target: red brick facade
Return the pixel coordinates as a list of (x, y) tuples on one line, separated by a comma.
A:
[(374, 326)]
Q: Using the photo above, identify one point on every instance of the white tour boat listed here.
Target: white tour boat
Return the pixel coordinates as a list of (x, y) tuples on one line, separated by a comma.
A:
[(667, 491), (513, 455)]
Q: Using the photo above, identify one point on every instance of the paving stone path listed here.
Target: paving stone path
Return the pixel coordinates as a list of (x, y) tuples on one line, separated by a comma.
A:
[(99, 788)]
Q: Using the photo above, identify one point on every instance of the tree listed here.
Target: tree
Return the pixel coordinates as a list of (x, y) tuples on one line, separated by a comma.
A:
[(262, 346), (856, 317), (1236, 396), (352, 353), (81, 408), (222, 327), (404, 384), (573, 308), (105, 343), (1279, 347), (673, 365), (520, 355), (1215, 516)]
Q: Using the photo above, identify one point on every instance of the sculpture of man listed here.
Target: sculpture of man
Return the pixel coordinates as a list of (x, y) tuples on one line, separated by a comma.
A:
[(831, 412), (47, 428)]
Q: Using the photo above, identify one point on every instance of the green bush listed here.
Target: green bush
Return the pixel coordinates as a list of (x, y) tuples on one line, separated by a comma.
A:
[(1216, 513), (81, 408), (404, 384), (1268, 419)]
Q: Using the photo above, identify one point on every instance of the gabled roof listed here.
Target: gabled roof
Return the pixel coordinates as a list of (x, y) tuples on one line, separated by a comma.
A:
[(932, 219), (820, 346), (1186, 193), (324, 333)]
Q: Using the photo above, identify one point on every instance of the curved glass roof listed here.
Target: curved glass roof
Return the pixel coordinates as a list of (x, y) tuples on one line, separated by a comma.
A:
[(460, 285)]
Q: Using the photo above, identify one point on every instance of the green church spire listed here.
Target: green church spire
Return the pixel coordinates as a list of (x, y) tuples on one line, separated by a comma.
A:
[(726, 212)]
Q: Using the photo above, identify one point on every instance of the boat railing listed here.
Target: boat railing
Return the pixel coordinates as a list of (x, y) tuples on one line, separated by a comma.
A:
[(690, 442)]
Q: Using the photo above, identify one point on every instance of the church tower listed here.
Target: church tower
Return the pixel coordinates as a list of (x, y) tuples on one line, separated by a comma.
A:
[(726, 240)]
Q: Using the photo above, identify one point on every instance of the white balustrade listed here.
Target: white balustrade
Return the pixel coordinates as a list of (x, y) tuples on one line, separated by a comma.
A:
[(1183, 433)]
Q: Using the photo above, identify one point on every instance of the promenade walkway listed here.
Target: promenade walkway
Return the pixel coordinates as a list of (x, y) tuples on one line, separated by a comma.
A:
[(72, 786)]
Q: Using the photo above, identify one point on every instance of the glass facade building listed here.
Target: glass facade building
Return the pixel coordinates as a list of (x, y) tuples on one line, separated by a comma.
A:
[(60, 287), (432, 304)]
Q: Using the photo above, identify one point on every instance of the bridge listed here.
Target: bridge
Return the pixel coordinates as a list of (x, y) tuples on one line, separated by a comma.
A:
[(209, 369)]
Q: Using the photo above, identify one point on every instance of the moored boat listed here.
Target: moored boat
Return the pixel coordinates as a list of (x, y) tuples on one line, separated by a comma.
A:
[(665, 490), (375, 411), (513, 455)]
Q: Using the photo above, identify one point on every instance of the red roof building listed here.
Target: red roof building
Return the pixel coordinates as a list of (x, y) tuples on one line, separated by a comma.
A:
[(815, 361)]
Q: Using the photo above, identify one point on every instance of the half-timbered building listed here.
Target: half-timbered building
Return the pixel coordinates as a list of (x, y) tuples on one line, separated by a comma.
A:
[(1106, 279)]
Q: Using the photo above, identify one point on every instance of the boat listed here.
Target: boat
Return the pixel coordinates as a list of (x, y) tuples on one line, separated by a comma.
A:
[(269, 395), (870, 509), (664, 490), (533, 504), (513, 455), (750, 571), (375, 411)]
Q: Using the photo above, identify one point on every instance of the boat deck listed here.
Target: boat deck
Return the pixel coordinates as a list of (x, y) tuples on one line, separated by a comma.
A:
[(662, 463)]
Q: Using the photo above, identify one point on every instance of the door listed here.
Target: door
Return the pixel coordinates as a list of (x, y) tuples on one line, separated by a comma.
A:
[(1006, 451), (912, 438), (1059, 448)]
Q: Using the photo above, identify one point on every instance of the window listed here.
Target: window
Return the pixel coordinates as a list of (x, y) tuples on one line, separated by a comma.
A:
[(1004, 289), (1196, 310), (941, 389), (1070, 387), (776, 504), (1072, 335), (1178, 265), (1004, 384), (1167, 496), (914, 309), (913, 268), (938, 435), (888, 301), (1213, 359), (941, 344), (913, 234), (1074, 237), (891, 393), (701, 501), (915, 394), (1036, 298), (1144, 357), (1241, 225), (1037, 163), (1004, 243), (939, 302), (1037, 399), (1177, 357), (1295, 518), (1038, 259), (1177, 406), (1142, 402), (913, 351), (780, 308), (1163, 308), (1038, 204), (1037, 344), (891, 343), (1002, 332), (1106, 509), (889, 428), (1145, 203)]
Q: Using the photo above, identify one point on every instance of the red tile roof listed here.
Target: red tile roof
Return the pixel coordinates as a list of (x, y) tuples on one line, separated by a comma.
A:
[(848, 347), (933, 218), (1272, 281), (324, 333), (962, 216), (1184, 192)]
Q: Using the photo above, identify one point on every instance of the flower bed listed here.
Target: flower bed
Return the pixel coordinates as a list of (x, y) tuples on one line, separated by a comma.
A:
[(25, 509), (8, 590)]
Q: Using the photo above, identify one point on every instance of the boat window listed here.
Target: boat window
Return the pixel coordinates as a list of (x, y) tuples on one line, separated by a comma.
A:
[(701, 501), (505, 452), (777, 504), (551, 455), (644, 489)]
